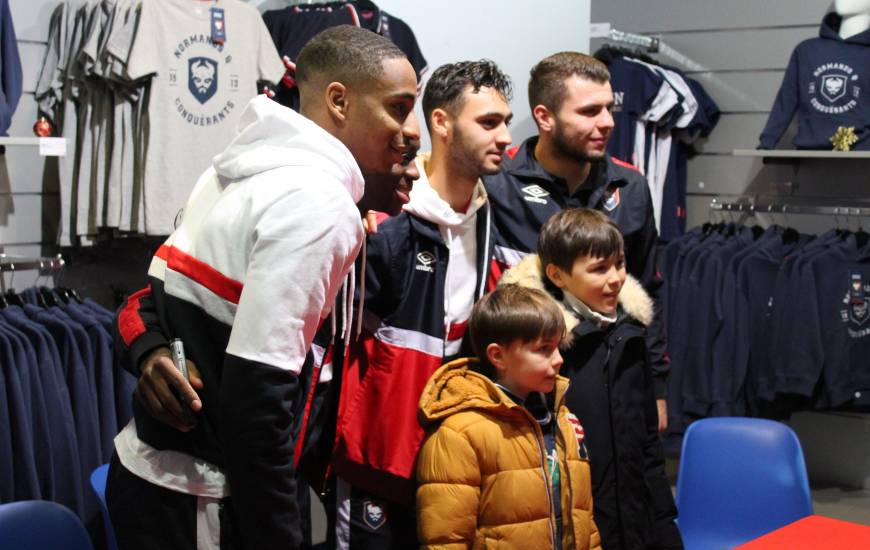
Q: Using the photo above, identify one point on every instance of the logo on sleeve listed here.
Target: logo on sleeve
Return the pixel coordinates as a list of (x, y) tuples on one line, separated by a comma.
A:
[(424, 262), (580, 435), (611, 199), (835, 88), (373, 514), (536, 193), (857, 307)]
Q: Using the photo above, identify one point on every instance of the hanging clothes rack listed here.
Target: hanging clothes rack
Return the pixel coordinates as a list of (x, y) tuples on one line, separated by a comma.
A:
[(11, 263), (650, 43), (762, 207)]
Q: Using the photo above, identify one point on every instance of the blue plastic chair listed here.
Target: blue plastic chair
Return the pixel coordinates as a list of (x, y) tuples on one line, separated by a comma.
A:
[(41, 525), (98, 483), (739, 478)]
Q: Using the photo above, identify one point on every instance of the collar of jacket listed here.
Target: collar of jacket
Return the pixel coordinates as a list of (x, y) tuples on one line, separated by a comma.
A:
[(425, 228), (457, 386), (523, 164), (580, 308)]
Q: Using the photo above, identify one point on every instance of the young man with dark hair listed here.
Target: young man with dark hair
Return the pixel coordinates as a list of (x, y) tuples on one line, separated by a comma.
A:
[(567, 166), (268, 236), (425, 269)]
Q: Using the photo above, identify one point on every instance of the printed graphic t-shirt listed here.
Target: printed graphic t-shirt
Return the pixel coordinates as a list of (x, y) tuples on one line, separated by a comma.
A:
[(198, 91)]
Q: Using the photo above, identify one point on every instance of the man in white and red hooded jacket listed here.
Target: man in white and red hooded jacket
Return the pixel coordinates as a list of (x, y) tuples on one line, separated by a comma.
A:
[(268, 237)]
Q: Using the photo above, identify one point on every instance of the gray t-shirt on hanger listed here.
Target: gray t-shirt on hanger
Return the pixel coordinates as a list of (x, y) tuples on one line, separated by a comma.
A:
[(197, 94)]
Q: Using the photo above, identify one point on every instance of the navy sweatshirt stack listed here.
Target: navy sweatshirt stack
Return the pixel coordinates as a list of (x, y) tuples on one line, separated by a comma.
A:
[(826, 83)]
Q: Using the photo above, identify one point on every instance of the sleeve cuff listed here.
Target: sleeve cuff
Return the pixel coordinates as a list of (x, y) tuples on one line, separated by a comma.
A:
[(660, 387), (143, 345)]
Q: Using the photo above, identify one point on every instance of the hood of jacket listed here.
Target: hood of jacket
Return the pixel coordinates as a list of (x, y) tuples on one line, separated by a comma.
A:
[(457, 387), (830, 29), (427, 204), (272, 136), (633, 298)]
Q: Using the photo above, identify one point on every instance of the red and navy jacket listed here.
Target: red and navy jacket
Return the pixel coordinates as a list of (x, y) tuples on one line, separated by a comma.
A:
[(402, 344), (524, 196)]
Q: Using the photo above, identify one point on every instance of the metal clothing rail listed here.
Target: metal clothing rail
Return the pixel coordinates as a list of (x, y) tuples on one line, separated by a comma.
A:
[(10, 263), (750, 208), (651, 43)]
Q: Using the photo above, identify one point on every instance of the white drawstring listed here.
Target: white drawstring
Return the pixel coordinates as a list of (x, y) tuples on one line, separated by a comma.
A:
[(362, 292), (447, 291), (484, 269), (348, 307)]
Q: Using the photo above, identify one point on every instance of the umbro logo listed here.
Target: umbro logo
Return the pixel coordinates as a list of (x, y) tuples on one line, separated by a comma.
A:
[(425, 261), (536, 193)]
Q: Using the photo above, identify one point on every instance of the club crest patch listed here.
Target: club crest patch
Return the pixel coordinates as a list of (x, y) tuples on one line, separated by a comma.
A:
[(835, 88), (611, 199), (856, 306), (203, 78), (373, 514)]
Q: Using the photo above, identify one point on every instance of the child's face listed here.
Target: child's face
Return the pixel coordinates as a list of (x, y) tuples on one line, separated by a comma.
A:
[(525, 367), (594, 281)]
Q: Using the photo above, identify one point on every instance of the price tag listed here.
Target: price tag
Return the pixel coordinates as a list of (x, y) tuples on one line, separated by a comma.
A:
[(52, 147), (218, 26)]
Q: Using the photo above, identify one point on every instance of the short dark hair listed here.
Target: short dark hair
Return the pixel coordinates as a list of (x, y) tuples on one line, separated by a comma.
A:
[(547, 82), (346, 54), (445, 86), (513, 313), (577, 232)]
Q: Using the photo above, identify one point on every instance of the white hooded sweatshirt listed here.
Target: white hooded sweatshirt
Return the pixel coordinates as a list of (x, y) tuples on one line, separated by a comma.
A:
[(459, 231), (267, 237)]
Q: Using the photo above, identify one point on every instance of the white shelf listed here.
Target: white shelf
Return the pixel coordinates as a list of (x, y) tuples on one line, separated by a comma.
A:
[(48, 147), (800, 154)]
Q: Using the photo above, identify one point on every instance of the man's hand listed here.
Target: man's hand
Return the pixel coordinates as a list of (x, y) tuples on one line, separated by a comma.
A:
[(156, 384), (662, 406)]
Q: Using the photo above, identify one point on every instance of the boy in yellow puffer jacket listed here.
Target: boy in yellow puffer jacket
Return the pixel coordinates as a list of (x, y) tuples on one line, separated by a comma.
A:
[(504, 464)]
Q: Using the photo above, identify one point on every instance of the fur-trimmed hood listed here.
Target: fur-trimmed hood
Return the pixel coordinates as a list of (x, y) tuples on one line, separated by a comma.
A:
[(633, 298)]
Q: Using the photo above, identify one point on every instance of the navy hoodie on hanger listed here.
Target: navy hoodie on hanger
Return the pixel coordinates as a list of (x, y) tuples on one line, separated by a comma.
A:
[(826, 83)]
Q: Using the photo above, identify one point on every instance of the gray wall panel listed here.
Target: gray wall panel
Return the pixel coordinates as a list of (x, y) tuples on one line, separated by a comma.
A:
[(678, 15), (738, 50), (32, 55), (31, 18), (738, 131), (20, 217), (748, 91), (720, 174)]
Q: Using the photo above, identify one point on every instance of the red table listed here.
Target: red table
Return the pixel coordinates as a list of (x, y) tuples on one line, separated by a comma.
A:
[(814, 533)]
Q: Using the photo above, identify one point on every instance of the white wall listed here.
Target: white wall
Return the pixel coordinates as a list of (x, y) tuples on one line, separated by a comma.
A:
[(515, 34)]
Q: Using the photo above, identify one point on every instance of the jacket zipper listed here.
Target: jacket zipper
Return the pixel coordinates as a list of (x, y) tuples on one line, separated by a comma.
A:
[(568, 473), (537, 429)]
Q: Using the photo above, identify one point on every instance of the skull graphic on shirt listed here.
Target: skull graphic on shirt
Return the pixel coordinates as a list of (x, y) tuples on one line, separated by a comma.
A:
[(203, 79)]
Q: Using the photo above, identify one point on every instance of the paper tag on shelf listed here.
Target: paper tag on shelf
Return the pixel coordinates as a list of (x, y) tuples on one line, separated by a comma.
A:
[(599, 30), (52, 147)]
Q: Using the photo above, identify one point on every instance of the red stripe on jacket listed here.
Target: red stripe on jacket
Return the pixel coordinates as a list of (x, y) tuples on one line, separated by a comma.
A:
[(200, 272), (378, 435), (624, 164), (130, 324)]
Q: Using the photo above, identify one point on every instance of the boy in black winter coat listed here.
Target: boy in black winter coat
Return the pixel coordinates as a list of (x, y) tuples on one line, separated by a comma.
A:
[(581, 263)]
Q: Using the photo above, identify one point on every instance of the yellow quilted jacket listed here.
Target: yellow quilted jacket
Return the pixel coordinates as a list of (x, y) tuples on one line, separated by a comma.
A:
[(482, 476)]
